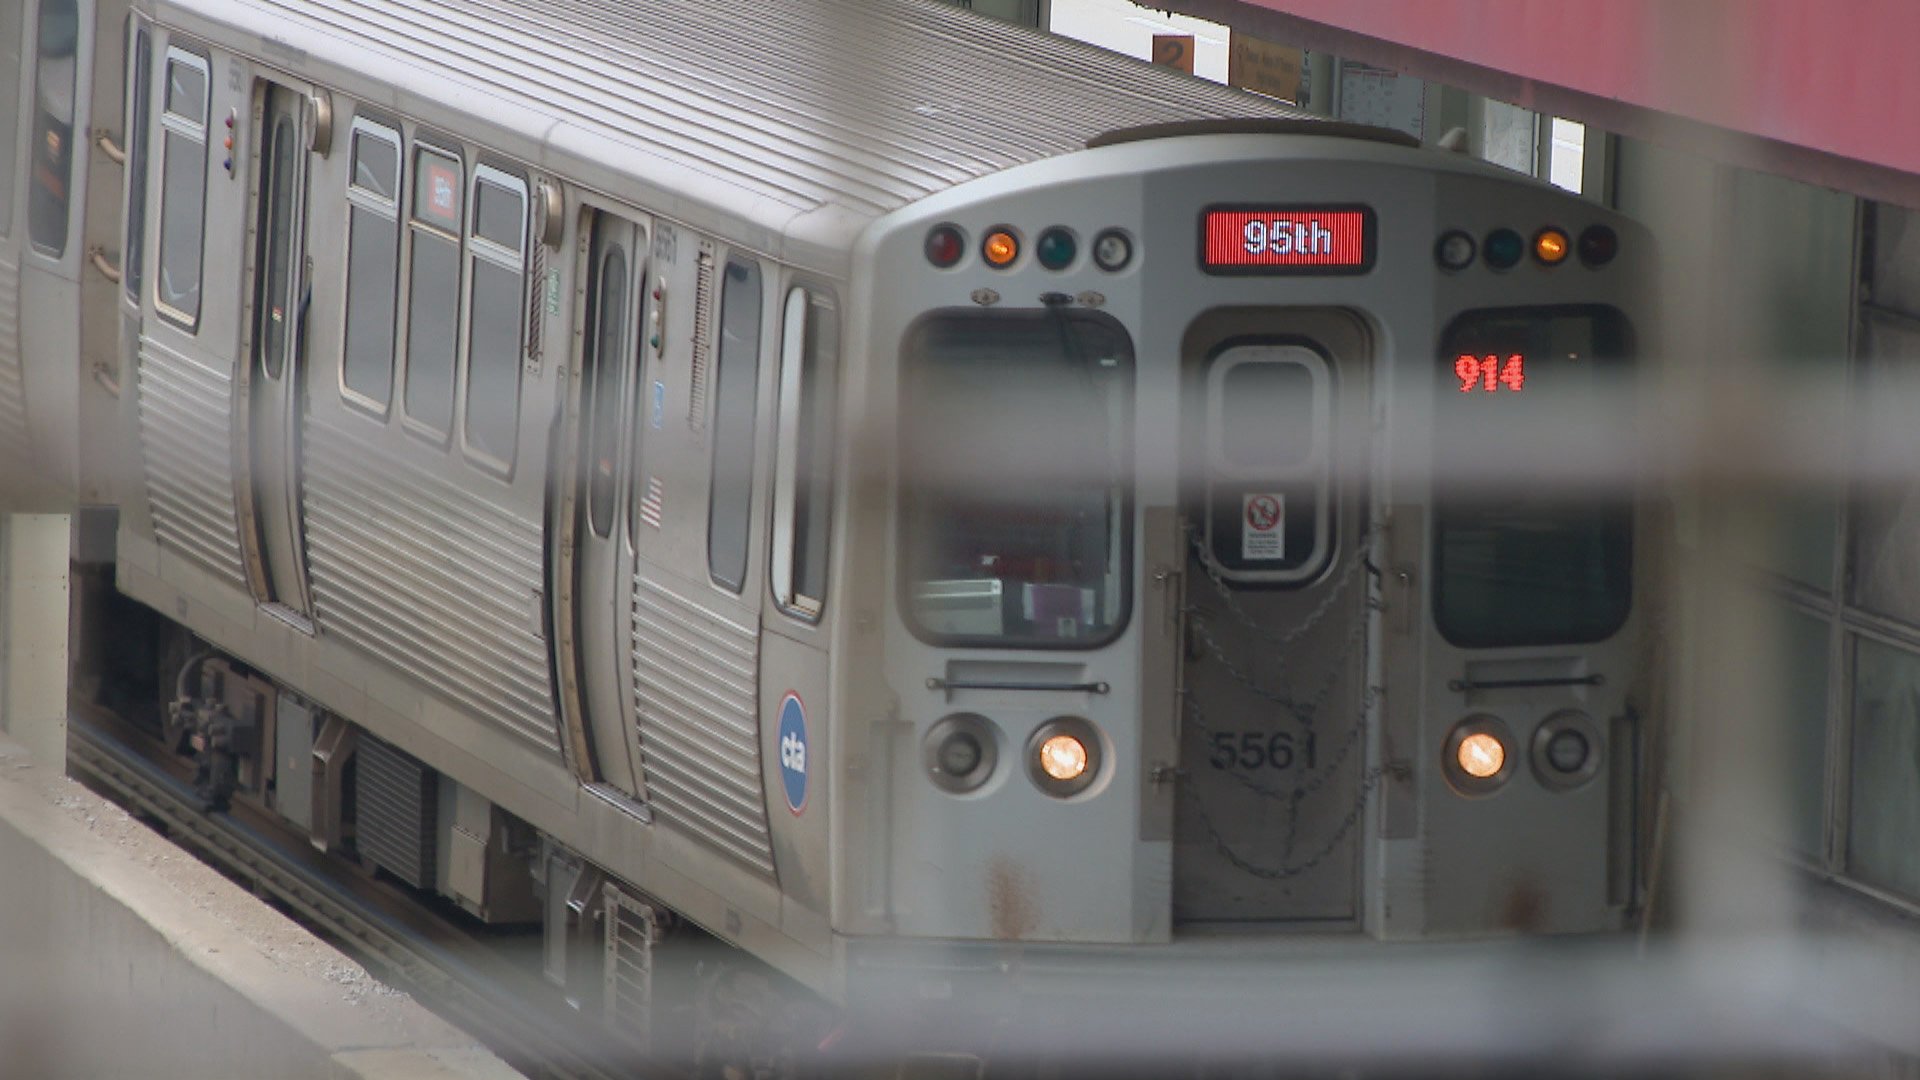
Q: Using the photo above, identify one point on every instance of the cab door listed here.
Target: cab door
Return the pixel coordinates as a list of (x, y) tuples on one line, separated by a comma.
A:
[(601, 614), (275, 381), (1272, 736)]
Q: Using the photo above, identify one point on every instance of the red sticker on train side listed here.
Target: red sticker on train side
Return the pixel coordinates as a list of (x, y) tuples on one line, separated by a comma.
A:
[(1252, 240)]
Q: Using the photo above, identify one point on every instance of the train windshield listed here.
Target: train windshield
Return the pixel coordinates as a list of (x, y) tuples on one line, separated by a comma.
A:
[(1016, 471), (1533, 502)]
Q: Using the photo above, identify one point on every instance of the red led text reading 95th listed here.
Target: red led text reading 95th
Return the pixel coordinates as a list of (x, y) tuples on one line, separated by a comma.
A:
[(1488, 373)]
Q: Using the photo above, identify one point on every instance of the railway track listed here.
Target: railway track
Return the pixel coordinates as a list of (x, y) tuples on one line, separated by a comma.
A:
[(461, 976)]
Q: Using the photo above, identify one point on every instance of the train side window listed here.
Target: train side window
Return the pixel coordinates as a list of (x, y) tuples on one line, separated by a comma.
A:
[(736, 379), (11, 16), (138, 115), (607, 320), (496, 261), (1531, 560), (183, 188), (803, 459), (1269, 514), (433, 289), (373, 266), (55, 84)]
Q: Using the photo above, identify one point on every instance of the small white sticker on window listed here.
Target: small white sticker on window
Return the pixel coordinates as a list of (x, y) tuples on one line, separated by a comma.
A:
[(1263, 520)]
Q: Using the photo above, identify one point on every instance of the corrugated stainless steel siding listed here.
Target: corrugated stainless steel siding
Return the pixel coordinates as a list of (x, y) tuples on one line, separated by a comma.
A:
[(696, 677), (186, 414), (14, 438), (430, 578), (858, 103)]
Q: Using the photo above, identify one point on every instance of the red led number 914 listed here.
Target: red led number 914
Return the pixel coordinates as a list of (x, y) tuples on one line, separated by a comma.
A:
[(1490, 373)]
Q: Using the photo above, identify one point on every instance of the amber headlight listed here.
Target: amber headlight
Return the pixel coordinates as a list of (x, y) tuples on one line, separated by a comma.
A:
[(1478, 756), (1063, 757)]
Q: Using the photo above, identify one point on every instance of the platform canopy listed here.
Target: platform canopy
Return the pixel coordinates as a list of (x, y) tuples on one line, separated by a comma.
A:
[(1826, 91)]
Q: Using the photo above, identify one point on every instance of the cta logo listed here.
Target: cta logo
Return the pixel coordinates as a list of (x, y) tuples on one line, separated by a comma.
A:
[(793, 751)]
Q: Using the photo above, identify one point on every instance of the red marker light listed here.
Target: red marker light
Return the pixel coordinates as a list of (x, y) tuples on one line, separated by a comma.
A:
[(945, 245)]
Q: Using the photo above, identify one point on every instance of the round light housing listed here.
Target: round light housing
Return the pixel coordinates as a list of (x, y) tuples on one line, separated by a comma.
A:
[(1112, 251), (1566, 750), (1598, 245), (1504, 248), (1056, 248), (1000, 248), (1551, 246), (1478, 756), (945, 245), (1063, 756), (1481, 755), (1455, 250), (960, 751)]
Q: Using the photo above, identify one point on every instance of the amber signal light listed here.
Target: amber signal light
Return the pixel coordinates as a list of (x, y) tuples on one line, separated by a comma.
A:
[(1000, 248), (1551, 246)]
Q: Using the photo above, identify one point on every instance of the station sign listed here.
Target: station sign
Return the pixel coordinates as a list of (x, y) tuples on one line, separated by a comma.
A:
[(1286, 239)]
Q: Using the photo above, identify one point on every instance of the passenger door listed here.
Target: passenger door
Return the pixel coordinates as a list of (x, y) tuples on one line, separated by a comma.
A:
[(1272, 742), (275, 380), (599, 615)]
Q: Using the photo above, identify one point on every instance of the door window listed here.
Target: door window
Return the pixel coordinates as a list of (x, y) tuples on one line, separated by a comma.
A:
[(139, 115), (55, 84), (607, 307), (275, 307), (1269, 495)]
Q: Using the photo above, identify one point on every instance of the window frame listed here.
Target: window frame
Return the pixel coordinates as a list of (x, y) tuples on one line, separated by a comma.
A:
[(136, 121), (1443, 508), (79, 140), (475, 250), (1124, 551), (10, 120), (196, 132), (717, 438), (372, 202), (791, 415), (412, 226)]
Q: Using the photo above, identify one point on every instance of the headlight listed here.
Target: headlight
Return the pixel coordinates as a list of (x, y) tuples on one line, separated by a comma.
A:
[(1478, 757), (960, 751), (1063, 757), (1566, 750)]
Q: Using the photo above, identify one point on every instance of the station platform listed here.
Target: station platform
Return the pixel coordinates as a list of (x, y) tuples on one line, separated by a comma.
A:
[(125, 956)]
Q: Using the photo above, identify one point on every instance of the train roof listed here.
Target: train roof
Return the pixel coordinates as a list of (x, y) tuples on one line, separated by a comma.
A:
[(765, 110)]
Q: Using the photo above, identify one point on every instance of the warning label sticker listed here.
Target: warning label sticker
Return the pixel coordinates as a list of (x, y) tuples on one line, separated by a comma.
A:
[(1262, 526)]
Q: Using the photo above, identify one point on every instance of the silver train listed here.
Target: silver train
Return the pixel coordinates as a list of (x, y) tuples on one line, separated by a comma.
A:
[(902, 493)]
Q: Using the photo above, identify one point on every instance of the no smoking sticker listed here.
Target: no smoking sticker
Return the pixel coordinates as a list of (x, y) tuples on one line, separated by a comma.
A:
[(1262, 526)]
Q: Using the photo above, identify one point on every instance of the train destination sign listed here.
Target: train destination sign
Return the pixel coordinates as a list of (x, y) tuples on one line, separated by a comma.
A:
[(1286, 239)]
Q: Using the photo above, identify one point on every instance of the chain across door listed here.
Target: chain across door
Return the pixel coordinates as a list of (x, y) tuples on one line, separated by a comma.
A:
[(1273, 737)]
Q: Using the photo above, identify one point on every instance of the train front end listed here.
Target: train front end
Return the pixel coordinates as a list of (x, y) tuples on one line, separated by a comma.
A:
[(1242, 548)]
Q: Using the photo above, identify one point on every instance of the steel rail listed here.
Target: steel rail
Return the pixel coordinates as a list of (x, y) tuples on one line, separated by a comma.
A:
[(537, 1041)]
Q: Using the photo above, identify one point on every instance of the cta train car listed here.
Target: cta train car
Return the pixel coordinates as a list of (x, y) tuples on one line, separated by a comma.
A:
[(60, 185), (896, 491)]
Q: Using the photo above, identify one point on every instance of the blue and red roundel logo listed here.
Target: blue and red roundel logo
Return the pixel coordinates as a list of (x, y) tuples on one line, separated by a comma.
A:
[(793, 751)]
